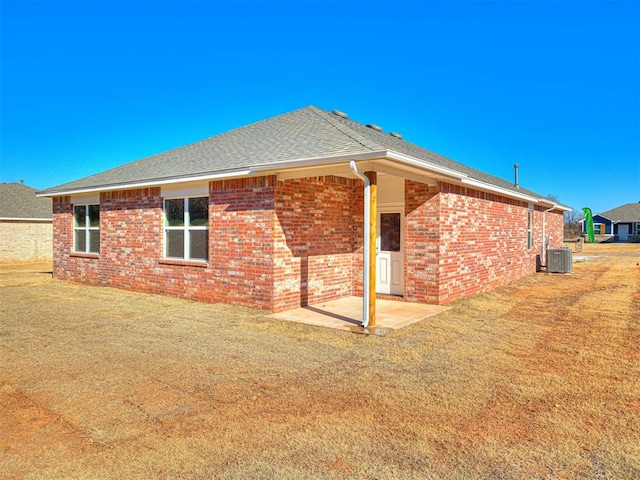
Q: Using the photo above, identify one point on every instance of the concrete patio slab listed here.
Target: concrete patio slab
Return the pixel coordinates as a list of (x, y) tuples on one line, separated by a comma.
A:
[(346, 314)]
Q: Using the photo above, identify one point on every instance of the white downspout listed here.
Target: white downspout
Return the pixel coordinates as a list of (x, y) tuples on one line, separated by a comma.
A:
[(544, 239), (367, 243)]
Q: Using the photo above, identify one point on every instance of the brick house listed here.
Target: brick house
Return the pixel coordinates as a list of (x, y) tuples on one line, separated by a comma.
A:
[(25, 224), (271, 215)]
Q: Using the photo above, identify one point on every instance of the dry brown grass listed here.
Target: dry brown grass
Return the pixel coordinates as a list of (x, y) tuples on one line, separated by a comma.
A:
[(536, 380)]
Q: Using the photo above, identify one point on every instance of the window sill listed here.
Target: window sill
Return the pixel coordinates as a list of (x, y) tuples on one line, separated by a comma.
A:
[(184, 263), (85, 255)]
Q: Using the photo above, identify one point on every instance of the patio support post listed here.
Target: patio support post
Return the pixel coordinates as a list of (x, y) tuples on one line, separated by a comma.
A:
[(373, 218)]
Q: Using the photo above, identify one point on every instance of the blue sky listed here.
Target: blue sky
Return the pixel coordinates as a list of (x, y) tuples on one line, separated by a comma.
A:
[(551, 85)]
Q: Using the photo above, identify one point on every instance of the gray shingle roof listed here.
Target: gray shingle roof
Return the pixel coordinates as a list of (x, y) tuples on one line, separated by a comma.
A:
[(306, 133), (627, 213), (19, 201)]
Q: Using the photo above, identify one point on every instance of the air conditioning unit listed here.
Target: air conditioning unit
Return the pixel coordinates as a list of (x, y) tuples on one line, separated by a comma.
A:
[(559, 260)]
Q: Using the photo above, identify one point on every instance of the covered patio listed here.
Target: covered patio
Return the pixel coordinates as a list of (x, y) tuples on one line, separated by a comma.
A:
[(346, 314)]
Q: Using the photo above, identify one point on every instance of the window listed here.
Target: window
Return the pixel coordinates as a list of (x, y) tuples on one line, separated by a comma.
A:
[(186, 228), (598, 229), (86, 228), (390, 232)]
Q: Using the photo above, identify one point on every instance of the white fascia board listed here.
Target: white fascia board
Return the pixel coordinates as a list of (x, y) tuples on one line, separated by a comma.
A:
[(358, 158), (408, 174), (564, 208), (317, 161), (464, 178), (500, 190), (512, 194), (149, 183), (16, 219), (409, 160)]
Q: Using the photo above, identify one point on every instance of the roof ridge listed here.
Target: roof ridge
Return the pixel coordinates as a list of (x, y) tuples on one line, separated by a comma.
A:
[(351, 133)]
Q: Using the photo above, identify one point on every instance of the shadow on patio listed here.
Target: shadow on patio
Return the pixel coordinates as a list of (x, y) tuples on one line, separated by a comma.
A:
[(346, 314)]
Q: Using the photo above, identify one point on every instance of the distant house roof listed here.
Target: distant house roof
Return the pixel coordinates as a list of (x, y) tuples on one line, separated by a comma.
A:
[(628, 213), (19, 202), (308, 136)]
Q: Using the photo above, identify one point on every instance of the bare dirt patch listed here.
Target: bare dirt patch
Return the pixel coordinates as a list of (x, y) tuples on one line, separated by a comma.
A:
[(540, 379)]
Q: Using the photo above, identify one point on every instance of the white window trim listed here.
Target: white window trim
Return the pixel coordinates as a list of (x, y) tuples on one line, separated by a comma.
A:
[(87, 228), (603, 228), (186, 228)]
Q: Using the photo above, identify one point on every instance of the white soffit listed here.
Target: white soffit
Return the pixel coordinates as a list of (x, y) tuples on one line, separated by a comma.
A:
[(185, 189), (86, 198), (388, 167), (340, 170)]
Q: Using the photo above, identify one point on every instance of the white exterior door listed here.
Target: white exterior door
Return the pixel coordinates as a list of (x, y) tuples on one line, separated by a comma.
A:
[(390, 254), (623, 232)]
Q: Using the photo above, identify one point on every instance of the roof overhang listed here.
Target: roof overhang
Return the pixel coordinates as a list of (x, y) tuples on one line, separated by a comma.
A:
[(383, 161), (145, 184)]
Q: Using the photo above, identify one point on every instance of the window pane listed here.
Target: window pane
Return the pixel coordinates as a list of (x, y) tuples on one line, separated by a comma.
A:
[(390, 232), (81, 241), (198, 244), (94, 215), (80, 214), (198, 211), (175, 243), (94, 241), (174, 212)]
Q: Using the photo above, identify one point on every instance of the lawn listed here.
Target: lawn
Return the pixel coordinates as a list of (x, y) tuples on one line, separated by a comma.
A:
[(540, 379)]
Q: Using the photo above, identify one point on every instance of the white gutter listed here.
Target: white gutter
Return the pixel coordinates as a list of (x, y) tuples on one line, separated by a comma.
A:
[(409, 160), (16, 219), (148, 183), (315, 161), (500, 190), (510, 193), (367, 243)]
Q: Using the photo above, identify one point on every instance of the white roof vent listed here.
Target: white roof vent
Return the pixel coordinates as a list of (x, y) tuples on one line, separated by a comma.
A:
[(397, 135), (375, 127), (340, 114)]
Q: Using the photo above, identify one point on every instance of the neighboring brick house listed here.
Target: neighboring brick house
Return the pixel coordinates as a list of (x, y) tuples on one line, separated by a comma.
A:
[(25, 224), (620, 224), (270, 215)]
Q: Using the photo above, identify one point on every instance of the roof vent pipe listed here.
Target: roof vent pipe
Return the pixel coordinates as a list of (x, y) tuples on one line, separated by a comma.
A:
[(340, 114), (375, 127), (395, 134), (516, 167)]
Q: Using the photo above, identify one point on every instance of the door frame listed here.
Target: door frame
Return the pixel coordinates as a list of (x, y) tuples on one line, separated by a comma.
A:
[(392, 208)]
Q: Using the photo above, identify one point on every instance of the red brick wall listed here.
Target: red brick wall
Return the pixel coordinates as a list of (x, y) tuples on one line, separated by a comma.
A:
[(554, 226), (241, 245), (461, 241), (131, 240), (63, 268), (422, 237), (316, 233), (131, 245), (483, 242), (281, 244)]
